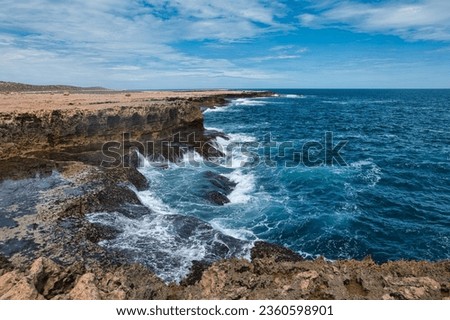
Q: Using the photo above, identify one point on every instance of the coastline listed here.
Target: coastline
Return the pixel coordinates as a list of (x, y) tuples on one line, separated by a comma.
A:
[(43, 133)]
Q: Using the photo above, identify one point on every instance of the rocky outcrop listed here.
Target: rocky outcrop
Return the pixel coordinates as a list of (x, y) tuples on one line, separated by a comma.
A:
[(76, 128), (53, 252), (59, 139), (272, 278), (264, 249), (217, 197), (222, 187), (261, 278), (75, 131)]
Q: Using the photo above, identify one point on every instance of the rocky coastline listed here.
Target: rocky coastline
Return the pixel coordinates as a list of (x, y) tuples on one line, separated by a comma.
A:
[(48, 250)]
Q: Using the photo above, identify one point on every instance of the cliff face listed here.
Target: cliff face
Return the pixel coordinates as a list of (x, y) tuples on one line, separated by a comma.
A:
[(50, 172), (22, 133), (262, 278), (31, 123), (59, 138), (52, 252)]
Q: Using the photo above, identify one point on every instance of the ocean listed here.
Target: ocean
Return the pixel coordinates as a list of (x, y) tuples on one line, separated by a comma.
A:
[(342, 174)]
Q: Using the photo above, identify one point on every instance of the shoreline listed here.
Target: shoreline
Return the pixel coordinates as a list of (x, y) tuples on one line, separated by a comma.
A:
[(43, 133)]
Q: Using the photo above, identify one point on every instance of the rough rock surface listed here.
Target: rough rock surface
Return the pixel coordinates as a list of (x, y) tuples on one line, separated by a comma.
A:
[(222, 186), (63, 127), (261, 278), (53, 252), (217, 197)]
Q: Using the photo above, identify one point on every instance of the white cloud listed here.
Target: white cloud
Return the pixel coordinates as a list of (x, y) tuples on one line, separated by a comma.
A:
[(283, 52), (252, 10), (145, 43), (418, 20), (82, 42)]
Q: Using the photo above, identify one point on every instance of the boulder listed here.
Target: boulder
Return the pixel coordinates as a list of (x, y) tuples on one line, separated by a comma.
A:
[(221, 182), (217, 198)]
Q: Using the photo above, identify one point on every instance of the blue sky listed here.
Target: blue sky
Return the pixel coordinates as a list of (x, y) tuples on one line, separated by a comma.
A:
[(142, 44)]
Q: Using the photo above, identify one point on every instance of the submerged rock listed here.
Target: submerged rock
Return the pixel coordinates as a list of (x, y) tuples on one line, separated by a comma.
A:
[(220, 181), (222, 186), (217, 198)]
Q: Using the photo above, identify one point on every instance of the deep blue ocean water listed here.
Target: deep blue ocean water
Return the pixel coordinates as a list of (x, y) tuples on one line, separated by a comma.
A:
[(391, 200)]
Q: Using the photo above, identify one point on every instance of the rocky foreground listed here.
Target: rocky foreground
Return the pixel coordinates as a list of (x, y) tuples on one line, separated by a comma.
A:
[(48, 250), (272, 274)]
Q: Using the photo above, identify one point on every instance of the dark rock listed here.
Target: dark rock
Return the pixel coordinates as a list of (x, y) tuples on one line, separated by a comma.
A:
[(5, 265), (96, 232), (210, 152), (113, 121), (137, 179), (131, 160), (217, 198), (264, 249), (397, 296), (220, 181), (133, 211), (213, 134), (15, 245), (137, 120), (22, 168), (111, 198), (6, 222), (197, 269)]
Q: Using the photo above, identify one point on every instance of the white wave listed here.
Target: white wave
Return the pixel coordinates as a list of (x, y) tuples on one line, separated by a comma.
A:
[(359, 164), (294, 96), (192, 158), (213, 129), (238, 137), (222, 143), (233, 150), (369, 171), (143, 160), (249, 102), (148, 197), (343, 103), (217, 109), (234, 138), (245, 185), (241, 234), (153, 202), (154, 232)]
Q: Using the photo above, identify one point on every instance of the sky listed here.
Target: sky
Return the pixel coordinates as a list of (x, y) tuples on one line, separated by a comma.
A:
[(187, 44)]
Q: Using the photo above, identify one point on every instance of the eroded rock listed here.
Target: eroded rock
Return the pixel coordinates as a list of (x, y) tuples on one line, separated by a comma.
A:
[(217, 197), (85, 288)]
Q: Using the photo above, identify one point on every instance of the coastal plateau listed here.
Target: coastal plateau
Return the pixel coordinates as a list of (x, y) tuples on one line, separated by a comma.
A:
[(55, 169)]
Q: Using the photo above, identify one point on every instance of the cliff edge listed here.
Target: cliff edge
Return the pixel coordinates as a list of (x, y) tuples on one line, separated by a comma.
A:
[(48, 250)]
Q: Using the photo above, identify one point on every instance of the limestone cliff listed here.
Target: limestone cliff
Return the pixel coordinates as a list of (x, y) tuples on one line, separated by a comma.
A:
[(56, 122), (52, 252)]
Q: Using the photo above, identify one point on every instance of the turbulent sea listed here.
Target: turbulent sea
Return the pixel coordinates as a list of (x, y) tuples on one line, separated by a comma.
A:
[(389, 199)]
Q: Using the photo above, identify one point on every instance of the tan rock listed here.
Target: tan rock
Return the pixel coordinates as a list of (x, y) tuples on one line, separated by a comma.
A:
[(14, 286), (85, 288), (118, 294), (7, 281), (306, 278), (44, 274)]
